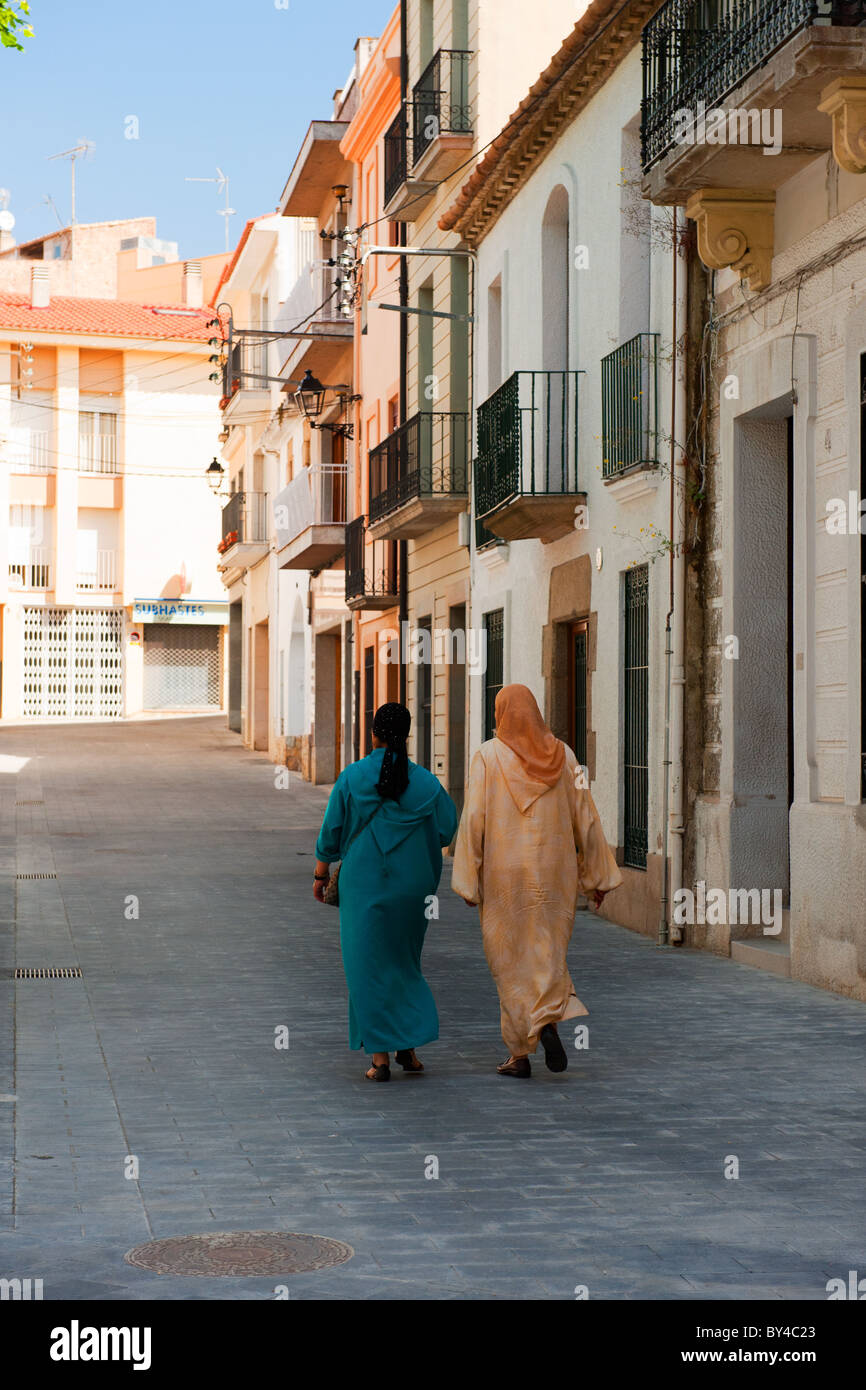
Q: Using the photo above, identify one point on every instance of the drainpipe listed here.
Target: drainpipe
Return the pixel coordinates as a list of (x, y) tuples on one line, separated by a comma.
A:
[(672, 810)]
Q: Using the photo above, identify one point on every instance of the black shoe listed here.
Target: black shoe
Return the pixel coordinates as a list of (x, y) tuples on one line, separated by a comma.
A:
[(515, 1066), (554, 1052), (381, 1072), (406, 1059)]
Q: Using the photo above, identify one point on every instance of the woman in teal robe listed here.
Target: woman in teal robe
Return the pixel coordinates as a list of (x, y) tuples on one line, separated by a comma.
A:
[(388, 876)]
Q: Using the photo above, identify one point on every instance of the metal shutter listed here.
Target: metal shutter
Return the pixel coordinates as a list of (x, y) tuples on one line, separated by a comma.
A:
[(73, 663), (181, 666)]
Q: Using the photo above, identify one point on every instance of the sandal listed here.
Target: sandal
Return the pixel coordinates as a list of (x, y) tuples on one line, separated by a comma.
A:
[(382, 1072), (554, 1053), (407, 1060), (515, 1066)]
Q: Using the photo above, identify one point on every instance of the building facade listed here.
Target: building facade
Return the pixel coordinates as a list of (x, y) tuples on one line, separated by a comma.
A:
[(111, 600), (767, 166), (575, 370)]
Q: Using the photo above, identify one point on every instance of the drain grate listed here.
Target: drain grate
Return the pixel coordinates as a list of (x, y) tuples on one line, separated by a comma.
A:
[(240, 1253), (48, 972), (29, 803), (35, 875)]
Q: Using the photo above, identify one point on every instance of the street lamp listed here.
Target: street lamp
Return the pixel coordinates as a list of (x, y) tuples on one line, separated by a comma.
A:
[(310, 396), (215, 474)]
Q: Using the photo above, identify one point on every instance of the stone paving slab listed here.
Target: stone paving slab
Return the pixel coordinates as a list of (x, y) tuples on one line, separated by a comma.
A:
[(148, 1099)]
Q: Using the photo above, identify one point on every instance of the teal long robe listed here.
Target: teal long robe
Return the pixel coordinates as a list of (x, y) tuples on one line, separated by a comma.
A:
[(386, 877)]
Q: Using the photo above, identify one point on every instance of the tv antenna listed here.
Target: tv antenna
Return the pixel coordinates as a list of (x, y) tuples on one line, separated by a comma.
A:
[(82, 150), (222, 184)]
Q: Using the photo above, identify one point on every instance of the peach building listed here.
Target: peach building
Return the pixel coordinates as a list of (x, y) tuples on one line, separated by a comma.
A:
[(111, 603), (374, 568)]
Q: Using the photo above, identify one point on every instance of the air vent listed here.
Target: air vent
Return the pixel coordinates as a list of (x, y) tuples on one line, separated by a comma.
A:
[(48, 972)]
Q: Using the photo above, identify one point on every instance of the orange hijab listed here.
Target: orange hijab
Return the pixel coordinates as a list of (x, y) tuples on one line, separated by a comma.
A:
[(519, 725)]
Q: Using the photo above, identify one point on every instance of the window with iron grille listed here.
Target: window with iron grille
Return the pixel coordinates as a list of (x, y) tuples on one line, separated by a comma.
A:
[(494, 630), (425, 697), (369, 697), (636, 716)]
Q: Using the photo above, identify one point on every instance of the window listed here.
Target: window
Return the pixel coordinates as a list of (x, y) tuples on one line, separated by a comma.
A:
[(97, 441), (636, 716), (494, 631), (369, 697), (425, 696)]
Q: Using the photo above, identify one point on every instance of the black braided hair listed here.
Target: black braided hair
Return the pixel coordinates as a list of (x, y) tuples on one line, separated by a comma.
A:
[(391, 724)]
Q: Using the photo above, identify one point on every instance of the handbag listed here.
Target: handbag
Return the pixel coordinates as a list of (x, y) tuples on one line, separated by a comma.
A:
[(331, 895)]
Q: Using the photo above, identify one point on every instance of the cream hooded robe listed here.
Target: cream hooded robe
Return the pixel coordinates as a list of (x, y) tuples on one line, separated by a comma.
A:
[(515, 856)]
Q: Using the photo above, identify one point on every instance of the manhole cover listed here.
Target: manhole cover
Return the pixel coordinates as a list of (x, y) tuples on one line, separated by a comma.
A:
[(233, 1253)]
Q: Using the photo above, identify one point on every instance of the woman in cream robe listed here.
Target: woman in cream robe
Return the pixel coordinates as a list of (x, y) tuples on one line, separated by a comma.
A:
[(526, 814)]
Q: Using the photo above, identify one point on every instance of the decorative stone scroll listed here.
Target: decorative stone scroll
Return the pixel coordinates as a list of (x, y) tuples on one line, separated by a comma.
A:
[(844, 101), (735, 229)]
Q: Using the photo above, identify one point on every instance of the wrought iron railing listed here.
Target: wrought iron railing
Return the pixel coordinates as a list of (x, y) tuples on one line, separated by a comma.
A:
[(371, 566), (629, 405), (396, 152), (426, 457), (700, 50), (527, 439), (440, 100), (245, 518)]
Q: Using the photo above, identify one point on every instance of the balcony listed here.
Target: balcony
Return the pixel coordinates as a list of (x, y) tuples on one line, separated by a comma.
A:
[(372, 570), (419, 475), (313, 306), (405, 196), (310, 518), (32, 570), (101, 576), (748, 59), (442, 134), (97, 453), (629, 416), (29, 451), (526, 468), (245, 538)]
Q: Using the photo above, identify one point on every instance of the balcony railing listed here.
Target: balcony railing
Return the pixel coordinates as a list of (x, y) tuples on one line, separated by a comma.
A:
[(396, 151), (701, 50), (372, 577), (97, 453), (100, 578), (440, 100), (527, 440), (425, 458), (32, 571), (316, 497), (245, 519), (629, 405), (29, 451)]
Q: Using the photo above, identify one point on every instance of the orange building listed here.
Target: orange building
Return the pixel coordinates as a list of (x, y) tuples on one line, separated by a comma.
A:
[(374, 569)]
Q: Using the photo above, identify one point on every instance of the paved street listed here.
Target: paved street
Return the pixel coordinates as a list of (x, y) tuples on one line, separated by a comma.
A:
[(610, 1176)]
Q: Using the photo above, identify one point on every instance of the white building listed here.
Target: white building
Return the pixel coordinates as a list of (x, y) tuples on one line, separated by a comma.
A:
[(573, 332)]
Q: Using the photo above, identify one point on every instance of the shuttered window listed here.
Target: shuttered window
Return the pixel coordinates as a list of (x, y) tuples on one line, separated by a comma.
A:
[(636, 716)]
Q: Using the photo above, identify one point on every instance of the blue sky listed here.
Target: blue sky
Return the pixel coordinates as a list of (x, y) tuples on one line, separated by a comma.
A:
[(233, 85)]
